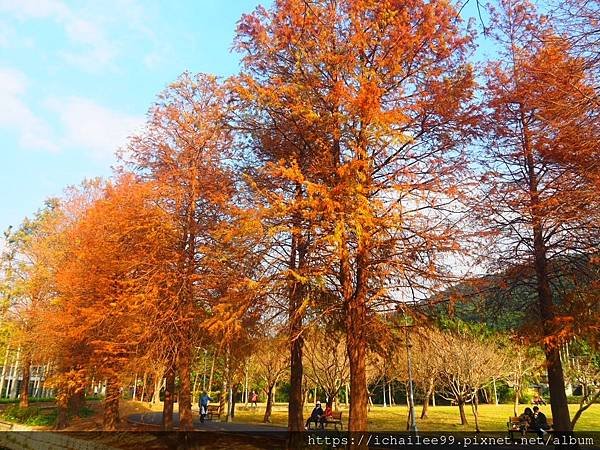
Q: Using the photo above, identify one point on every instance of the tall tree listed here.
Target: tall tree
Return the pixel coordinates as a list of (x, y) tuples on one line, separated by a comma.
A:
[(468, 363), (375, 93), (540, 208), (112, 276), (327, 362), (27, 270), (182, 151)]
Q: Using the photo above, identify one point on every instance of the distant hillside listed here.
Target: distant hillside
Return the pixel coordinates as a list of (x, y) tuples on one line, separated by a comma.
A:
[(507, 300)]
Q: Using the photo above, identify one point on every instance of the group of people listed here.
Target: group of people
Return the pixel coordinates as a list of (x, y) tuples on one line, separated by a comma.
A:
[(318, 416), (533, 420)]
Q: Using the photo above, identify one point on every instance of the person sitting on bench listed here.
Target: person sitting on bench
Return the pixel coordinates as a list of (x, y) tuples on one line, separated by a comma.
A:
[(328, 414), (525, 420), (540, 422), (315, 416)]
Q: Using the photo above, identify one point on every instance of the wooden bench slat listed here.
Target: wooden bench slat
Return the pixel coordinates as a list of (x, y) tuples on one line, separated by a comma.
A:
[(514, 426), (212, 411), (335, 419)]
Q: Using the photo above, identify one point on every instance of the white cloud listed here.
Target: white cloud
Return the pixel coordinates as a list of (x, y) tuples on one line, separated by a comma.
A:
[(7, 34), (91, 127), (15, 114), (153, 59), (84, 124), (94, 50)]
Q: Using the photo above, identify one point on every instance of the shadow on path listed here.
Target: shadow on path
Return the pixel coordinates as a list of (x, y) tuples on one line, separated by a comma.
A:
[(210, 434), (155, 419)]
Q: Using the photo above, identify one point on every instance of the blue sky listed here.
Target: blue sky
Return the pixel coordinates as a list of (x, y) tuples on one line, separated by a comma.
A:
[(77, 77)]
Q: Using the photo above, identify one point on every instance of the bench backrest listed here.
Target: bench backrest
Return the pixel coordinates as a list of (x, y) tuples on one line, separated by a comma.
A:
[(214, 408), (336, 415), (516, 420)]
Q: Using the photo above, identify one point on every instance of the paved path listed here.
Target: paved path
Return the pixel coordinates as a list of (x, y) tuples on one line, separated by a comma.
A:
[(46, 440), (155, 418), (213, 435)]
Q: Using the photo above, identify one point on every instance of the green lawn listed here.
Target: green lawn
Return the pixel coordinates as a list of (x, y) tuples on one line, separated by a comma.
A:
[(441, 418)]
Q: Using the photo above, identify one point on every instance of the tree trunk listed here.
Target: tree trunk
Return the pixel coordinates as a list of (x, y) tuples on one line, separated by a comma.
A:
[(267, 416), (556, 381), (26, 374), (134, 394), (144, 381), (495, 392), (36, 386), (111, 405), (295, 410), (3, 376), (185, 393), (517, 389), (223, 398), (356, 316), (212, 371), (295, 315), (45, 372), (15, 374), (76, 403), (167, 416), (234, 392), (347, 396), (428, 395), (357, 360), (461, 409), (383, 391), (474, 406), (195, 387), (305, 394), (62, 411), (158, 381), (246, 384), (584, 404), (486, 397)]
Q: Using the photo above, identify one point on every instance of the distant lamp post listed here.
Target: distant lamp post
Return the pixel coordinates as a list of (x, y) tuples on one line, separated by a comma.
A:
[(204, 373), (412, 425)]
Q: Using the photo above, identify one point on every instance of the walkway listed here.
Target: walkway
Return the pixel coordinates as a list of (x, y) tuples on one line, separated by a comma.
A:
[(214, 434), (155, 419)]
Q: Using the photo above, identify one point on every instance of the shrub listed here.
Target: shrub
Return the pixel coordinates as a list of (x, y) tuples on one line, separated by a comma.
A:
[(20, 415), (86, 412), (43, 419), (526, 396), (31, 400)]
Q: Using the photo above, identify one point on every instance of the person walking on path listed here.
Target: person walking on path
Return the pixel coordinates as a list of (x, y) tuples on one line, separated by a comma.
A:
[(203, 405)]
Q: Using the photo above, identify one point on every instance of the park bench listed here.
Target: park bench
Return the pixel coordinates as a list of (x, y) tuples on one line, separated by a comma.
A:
[(514, 423), (335, 419), (213, 412)]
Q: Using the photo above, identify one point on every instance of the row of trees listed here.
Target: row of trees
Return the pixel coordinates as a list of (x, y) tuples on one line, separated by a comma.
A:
[(357, 161)]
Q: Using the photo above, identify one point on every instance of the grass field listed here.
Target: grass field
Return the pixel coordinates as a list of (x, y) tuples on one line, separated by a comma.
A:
[(441, 418)]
